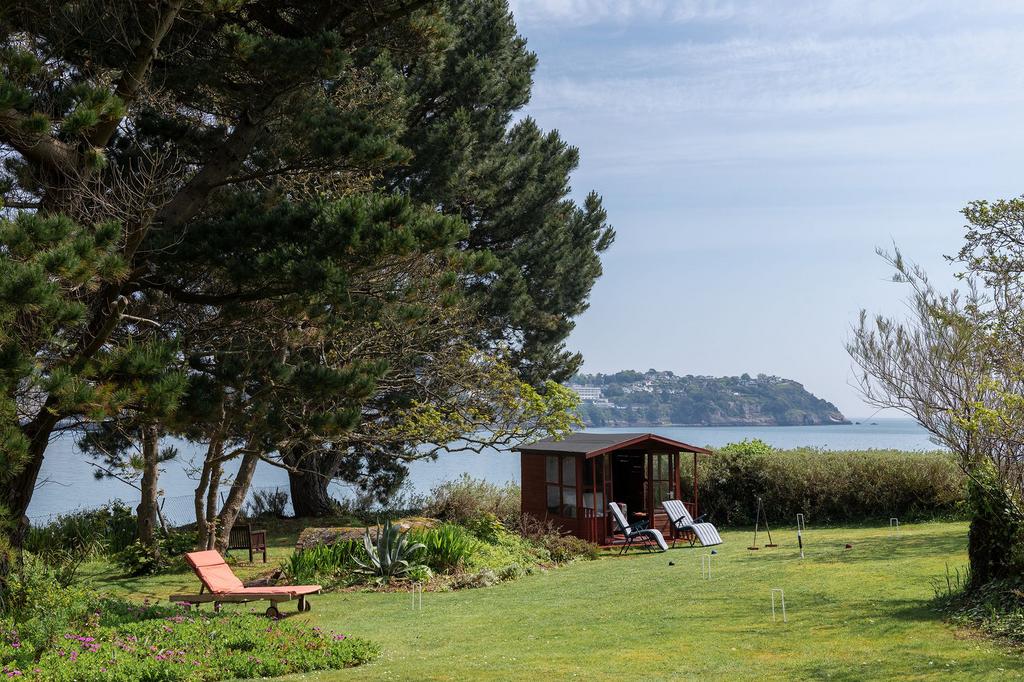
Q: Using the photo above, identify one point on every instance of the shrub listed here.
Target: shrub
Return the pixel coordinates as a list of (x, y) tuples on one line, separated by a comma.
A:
[(267, 504), (140, 559), (487, 527), (85, 533), (565, 548), (997, 607), (748, 448), (467, 499), (826, 486), (446, 547), (507, 549), (38, 609), (559, 547), (485, 577), (322, 564)]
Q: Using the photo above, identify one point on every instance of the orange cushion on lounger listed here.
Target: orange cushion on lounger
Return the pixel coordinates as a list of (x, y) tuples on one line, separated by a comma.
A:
[(214, 572)]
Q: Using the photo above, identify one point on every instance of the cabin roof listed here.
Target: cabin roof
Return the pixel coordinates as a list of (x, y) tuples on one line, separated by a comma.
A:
[(593, 444)]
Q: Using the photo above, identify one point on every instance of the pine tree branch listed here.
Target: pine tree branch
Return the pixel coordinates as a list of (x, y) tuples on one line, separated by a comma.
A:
[(222, 164), (132, 77), (37, 148)]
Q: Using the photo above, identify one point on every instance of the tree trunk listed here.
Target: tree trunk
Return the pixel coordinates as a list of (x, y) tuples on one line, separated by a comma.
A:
[(216, 470), (22, 485), (309, 475), (236, 496), (147, 509)]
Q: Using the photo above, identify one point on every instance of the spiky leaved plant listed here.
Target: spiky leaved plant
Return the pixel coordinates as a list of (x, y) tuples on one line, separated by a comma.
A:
[(391, 556)]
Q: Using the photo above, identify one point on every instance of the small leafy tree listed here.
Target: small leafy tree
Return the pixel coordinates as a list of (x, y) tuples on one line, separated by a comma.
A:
[(950, 367)]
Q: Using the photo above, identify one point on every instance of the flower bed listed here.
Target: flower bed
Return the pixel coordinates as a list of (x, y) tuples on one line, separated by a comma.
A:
[(119, 641)]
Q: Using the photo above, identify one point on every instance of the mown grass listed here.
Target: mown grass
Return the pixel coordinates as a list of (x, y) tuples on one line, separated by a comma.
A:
[(862, 613)]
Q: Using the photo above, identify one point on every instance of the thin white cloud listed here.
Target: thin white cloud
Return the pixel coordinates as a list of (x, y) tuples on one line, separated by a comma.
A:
[(589, 12), (783, 15), (746, 77)]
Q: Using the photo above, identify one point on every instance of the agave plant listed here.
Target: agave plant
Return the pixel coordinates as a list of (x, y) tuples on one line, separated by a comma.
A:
[(391, 556)]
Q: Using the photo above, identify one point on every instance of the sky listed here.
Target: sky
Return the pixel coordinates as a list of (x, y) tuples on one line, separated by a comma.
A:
[(752, 157)]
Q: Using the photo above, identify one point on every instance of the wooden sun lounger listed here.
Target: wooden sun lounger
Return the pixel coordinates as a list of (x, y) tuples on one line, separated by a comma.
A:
[(222, 586)]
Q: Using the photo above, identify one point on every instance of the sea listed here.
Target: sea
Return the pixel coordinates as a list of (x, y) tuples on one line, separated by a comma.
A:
[(68, 481)]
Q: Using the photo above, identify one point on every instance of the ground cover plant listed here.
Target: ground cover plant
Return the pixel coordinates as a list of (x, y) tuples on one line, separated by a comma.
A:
[(996, 608), (55, 632)]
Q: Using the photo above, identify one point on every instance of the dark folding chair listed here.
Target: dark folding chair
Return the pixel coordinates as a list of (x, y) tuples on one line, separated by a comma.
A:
[(633, 534)]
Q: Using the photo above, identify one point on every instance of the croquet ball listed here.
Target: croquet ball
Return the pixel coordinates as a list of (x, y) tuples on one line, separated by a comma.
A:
[(849, 547), (671, 563)]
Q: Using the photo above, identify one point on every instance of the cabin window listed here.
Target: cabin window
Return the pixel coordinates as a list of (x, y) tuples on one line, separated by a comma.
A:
[(560, 474), (661, 477), (593, 491)]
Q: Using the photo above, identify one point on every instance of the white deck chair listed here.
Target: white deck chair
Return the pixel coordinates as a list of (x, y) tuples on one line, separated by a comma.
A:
[(681, 522), (633, 534)]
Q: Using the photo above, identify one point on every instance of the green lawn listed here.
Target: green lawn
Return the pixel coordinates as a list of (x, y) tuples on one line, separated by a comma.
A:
[(862, 613)]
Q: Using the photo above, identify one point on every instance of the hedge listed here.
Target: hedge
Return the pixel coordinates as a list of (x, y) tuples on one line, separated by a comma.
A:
[(827, 486)]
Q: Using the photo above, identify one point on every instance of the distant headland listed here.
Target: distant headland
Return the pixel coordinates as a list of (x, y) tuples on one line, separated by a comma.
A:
[(653, 398)]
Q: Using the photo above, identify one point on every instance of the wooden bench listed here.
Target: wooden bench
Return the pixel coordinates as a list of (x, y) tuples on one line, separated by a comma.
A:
[(244, 537)]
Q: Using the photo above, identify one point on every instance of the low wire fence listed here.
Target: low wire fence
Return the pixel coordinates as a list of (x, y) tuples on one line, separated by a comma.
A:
[(180, 510)]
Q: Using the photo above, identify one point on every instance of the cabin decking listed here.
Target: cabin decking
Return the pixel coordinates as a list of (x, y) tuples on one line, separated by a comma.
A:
[(570, 482)]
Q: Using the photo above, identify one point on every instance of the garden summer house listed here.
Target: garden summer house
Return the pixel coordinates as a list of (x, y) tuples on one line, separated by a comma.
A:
[(570, 481)]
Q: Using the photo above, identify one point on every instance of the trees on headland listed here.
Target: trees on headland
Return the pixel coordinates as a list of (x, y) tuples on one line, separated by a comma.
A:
[(299, 233), (955, 366)]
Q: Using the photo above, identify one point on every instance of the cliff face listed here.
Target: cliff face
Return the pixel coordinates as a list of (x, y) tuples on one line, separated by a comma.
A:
[(662, 398)]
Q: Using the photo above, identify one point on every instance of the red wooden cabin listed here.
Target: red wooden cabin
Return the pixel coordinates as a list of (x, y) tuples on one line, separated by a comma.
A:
[(571, 481)]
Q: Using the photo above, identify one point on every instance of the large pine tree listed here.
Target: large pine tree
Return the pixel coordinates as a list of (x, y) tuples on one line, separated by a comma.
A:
[(125, 122), (509, 181), (260, 182)]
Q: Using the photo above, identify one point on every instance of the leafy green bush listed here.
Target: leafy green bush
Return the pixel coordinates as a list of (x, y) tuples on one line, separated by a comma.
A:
[(38, 609), (446, 547), (826, 486), (565, 548), (753, 448), (391, 556), (487, 527), (87, 533), (322, 564), (140, 559), (506, 550), (267, 504), (467, 499)]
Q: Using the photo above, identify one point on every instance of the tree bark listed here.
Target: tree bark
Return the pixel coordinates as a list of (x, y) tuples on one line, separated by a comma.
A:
[(147, 509), (236, 496), (23, 484), (309, 476), (210, 522)]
